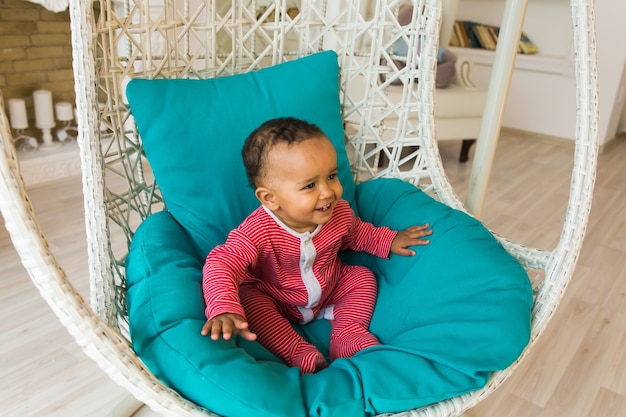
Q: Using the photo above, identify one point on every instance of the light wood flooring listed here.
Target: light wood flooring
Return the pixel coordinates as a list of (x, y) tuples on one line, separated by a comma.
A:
[(578, 368)]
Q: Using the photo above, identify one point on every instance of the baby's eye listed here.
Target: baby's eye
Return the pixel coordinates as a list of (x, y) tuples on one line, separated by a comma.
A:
[(309, 186), (332, 176)]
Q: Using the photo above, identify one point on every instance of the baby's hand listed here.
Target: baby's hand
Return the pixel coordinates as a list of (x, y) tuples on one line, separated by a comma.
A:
[(410, 237), (226, 324)]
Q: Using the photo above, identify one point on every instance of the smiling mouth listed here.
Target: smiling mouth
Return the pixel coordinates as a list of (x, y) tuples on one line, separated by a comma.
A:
[(325, 208)]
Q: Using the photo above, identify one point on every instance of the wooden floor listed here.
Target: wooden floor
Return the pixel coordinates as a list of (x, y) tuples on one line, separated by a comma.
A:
[(578, 368)]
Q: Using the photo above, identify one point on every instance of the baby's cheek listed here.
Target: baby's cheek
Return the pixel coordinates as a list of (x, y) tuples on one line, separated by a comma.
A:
[(339, 190)]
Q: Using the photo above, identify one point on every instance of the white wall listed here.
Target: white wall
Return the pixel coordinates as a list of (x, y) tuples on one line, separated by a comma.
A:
[(542, 96), (611, 50)]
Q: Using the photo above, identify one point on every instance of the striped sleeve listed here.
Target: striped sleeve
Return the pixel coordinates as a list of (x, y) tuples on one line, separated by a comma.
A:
[(365, 237), (224, 270)]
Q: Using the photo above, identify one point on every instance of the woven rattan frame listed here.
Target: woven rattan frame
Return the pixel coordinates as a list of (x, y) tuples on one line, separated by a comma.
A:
[(115, 41)]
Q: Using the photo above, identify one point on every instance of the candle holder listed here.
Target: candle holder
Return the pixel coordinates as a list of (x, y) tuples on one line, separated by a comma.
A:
[(65, 114), (22, 141), (48, 141), (19, 122), (44, 118), (67, 133)]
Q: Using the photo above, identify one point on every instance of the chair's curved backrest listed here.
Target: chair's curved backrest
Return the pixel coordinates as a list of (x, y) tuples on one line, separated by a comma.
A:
[(205, 39)]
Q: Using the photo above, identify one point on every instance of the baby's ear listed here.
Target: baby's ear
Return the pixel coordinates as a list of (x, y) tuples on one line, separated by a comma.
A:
[(266, 197)]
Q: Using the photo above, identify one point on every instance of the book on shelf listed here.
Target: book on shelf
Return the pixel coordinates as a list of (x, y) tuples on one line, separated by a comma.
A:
[(472, 34), (468, 34), (460, 35), (494, 31), (485, 38), (526, 45)]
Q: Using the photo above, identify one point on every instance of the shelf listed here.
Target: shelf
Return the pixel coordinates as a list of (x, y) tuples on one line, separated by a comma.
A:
[(42, 165), (558, 65)]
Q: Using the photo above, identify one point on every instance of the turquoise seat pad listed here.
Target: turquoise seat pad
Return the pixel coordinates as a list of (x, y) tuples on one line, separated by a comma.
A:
[(446, 318)]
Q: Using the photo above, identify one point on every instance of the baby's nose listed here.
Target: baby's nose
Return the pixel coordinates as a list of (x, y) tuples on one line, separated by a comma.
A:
[(325, 190)]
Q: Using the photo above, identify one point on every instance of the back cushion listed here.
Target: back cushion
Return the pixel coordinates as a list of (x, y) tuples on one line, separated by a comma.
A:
[(193, 132)]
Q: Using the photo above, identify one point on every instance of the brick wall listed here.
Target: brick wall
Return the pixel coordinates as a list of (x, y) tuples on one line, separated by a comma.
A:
[(35, 53)]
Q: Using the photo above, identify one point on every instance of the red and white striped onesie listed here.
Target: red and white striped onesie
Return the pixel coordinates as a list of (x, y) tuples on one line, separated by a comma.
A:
[(272, 276)]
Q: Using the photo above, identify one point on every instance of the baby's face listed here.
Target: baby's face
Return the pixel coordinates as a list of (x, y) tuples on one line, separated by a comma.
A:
[(303, 179)]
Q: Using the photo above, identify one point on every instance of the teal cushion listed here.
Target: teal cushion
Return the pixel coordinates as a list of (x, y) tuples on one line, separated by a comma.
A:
[(461, 287), (193, 131), (166, 313), (446, 318)]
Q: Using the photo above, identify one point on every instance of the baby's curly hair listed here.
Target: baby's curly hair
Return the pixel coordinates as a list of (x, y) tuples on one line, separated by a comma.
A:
[(257, 146)]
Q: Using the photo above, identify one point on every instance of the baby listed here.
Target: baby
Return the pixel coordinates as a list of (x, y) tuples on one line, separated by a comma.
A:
[(281, 265)]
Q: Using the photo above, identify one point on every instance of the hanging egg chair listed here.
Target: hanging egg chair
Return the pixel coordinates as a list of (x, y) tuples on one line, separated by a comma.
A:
[(166, 92)]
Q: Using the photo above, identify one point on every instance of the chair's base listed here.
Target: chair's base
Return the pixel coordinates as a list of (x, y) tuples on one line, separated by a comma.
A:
[(465, 148)]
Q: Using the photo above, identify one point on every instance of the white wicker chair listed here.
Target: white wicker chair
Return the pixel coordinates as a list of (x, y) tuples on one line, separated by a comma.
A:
[(114, 41)]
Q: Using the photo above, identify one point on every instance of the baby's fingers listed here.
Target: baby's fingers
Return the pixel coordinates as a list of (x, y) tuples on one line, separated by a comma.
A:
[(241, 328), (419, 231), (415, 241), (206, 329), (217, 327), (404, 252), (247, 334), (225, 328)]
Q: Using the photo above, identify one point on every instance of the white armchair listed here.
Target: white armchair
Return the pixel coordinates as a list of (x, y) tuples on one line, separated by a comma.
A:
[(458, 107)]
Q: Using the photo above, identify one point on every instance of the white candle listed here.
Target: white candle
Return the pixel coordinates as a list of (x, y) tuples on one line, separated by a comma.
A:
[(44, 113), (64, 111), (17, 113)]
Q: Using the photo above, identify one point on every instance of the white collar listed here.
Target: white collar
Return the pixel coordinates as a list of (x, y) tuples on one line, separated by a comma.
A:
[(301, 235)]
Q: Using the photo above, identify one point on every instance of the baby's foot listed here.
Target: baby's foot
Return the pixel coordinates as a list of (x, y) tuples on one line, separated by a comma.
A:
[(310, 361), (349, 343)]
